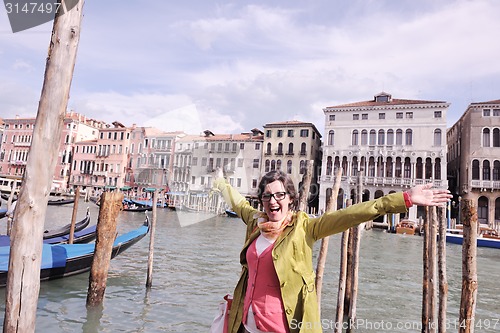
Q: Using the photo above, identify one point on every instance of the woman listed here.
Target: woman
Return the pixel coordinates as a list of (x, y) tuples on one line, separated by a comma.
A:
[(276, 290)]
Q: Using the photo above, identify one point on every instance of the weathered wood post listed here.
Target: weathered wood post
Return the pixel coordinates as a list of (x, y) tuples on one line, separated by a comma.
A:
[(73, 217), (10, 211), (110, 207), (429, 272), (331, 205), (433, 283), (469, 268), (342, 301), (443, 279), (306, 184), (425, 275), (149, 278), (355, 235), (23, 281)]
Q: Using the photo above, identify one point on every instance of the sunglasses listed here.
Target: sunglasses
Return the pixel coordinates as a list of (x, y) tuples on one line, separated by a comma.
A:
[(278, 196)]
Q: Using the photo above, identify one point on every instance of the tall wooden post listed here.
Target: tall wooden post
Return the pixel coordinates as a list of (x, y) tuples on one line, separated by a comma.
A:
[(306, 184), (10, 211), (443, 279), (23, 280), (331, 205), (110, 207), (425, 277), (149, 278), (468, 299), (343, 295), (73, 217)]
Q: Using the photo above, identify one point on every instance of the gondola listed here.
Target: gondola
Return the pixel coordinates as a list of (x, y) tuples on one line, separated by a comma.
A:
[(65, 230), (128, 206), (65, 260), (82, 234), (60, 202), (230, 213)]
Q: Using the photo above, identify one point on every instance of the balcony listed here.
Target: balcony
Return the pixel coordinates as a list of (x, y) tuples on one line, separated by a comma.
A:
[(22, 144), (101, 173), (485, 185), (384, 181)]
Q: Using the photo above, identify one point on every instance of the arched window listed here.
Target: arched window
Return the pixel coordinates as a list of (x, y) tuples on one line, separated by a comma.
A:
[(428, 168), (407, 168), (268, 150), (437, 137), (399, 137), (390, 137), (331, 137), (371, 167), (273, 165), (336, 164), (496, 137), (280, 148), (475, 169), (289, 167), (302, 167), (329, 166), (388, 167), (486, 170), (268, 164), (290, 149), (381, 137), (437, 169), (486, 137), (497, 211), (355, 138), (482, 210), (364, 137), (409, 137), (398, 168), (419, 169), (278, 165), (354, 166), (496, 170), (373, 137), (344, 166), (303, 148)]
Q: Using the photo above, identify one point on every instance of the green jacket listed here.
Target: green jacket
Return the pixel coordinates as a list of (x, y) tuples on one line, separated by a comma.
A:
[(292, 254)]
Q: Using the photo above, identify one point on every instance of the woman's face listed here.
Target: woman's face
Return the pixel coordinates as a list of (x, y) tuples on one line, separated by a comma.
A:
[(275, 209)]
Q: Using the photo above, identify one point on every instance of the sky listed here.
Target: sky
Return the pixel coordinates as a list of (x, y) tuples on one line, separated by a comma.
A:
[(231, 66)]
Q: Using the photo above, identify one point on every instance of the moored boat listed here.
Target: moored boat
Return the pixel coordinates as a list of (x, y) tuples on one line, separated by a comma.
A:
[(487, 237), (406, 227), (59, 202), (230, 213), (65, 260)]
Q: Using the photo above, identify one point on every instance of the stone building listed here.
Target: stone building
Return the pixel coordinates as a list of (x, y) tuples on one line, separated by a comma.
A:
[(474, 161), (288, 146), (390, 144)]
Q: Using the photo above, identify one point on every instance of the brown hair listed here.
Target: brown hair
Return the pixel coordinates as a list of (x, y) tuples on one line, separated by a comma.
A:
[(287, 183)]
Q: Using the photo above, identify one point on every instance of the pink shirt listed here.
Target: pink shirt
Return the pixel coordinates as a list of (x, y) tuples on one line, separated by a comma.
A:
[(264, 292)]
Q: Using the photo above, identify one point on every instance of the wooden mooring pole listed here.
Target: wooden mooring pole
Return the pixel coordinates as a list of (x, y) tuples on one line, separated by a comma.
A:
[(149, 277), (469, 268), (429, 287), (23, 278), (331, 205), (343, 294), (73, 217), (443, 279), (306, 185), (110, 207)]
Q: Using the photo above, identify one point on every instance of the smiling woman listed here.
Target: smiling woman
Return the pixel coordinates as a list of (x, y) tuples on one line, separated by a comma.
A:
[(277, 284)]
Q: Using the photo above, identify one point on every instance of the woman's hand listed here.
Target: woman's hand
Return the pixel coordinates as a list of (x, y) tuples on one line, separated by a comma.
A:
[(425, 195)]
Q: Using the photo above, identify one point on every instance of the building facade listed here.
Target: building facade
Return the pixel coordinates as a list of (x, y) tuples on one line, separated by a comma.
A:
[(388, 144), (474, 161), (18, 135), (288, 146)]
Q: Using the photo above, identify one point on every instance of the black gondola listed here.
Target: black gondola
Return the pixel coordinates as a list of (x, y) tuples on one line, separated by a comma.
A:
[(65, 260)]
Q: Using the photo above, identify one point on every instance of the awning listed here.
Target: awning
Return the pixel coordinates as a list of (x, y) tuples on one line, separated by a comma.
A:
[(110, 187), (125, 188), (150, 189)]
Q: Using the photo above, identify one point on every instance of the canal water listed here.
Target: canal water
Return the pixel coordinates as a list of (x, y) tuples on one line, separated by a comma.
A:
[(195, 264)]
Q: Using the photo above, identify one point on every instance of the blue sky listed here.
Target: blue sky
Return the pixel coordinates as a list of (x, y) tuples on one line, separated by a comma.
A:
[(230, 66)]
